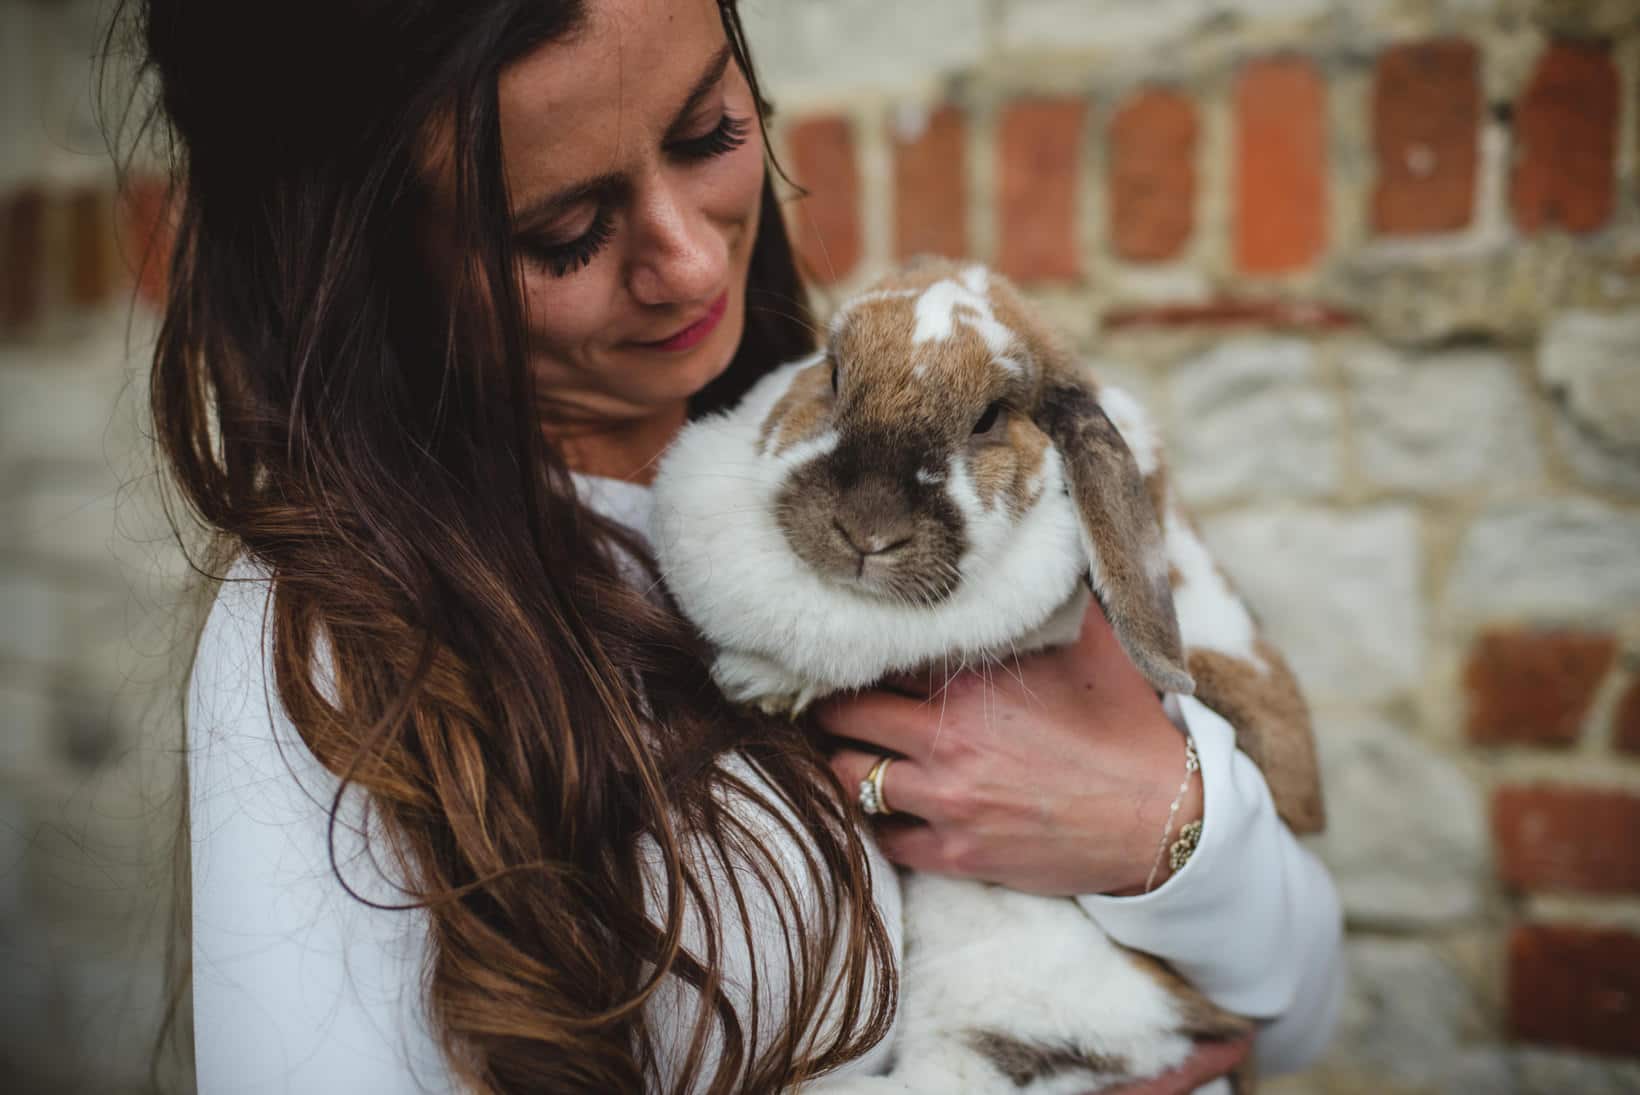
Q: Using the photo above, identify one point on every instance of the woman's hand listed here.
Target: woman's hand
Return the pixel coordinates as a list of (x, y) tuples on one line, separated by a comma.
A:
[(1052, 776)]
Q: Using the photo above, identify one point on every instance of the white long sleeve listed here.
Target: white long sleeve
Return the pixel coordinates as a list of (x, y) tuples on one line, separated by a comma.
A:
[(1252, 919), (298, 986)]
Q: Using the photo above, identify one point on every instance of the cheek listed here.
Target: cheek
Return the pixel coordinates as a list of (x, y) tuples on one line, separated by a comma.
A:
[(564, 313)]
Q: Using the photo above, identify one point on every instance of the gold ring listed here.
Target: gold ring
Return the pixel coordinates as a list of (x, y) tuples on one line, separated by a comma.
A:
[(872, 800)]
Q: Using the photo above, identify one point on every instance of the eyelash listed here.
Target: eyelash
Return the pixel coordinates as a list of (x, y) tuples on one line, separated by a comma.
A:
[(561, 259)]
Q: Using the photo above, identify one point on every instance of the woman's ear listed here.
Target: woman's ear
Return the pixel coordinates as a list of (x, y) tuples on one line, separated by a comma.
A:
[(1127, 565)]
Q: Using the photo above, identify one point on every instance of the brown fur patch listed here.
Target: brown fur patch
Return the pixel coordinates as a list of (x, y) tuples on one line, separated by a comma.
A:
[(1025, 1062), (1004, 470), (1200, 1018), (801, 412), (1272, 725)]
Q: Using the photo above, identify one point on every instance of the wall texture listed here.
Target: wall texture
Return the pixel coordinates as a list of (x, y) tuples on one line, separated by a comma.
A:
[(1376, 264)]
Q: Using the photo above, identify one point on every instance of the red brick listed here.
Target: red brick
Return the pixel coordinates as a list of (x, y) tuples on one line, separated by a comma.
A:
[(931, 190), (1152, 175), (1534, 687), (1566, 838), (1280, 166), (827, 221), (1039, 172), (1426, 105), (91, 246), (22, 267), (1626, 723), (1233, 312), (1566, 141), (146, 234), (1575, 987)]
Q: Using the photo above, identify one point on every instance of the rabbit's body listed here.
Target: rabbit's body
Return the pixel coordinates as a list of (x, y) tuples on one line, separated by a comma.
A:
[(824, 535)]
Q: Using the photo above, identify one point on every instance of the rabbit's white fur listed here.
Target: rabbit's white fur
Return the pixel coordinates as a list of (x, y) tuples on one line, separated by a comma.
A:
[(788, 635)]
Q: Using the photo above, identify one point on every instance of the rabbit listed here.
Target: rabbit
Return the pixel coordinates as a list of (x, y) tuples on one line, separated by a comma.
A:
[(943, 483)]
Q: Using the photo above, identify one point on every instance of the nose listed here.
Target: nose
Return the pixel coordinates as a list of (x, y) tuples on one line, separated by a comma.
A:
[(872, 518), (680, 255)]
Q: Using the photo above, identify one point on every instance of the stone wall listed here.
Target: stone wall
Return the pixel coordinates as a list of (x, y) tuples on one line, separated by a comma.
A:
[(1376, 265)]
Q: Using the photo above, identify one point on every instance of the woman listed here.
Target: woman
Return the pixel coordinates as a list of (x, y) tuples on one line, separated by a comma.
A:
[(464, 812)]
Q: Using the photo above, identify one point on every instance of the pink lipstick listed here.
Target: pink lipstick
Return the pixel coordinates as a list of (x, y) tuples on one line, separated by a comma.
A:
[(697, 331)]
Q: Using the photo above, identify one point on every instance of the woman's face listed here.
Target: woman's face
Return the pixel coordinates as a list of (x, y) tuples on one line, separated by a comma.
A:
[(635, 164)]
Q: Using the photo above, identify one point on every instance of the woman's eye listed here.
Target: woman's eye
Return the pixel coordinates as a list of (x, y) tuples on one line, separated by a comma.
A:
[(561, 259), (729, 134), (989, 420)]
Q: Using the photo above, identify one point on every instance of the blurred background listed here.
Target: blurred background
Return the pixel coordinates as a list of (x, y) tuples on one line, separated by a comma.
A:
[(1376, 265)]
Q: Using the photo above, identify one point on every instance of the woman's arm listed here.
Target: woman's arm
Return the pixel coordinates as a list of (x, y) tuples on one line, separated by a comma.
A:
[(297, 986), (1252, 919)]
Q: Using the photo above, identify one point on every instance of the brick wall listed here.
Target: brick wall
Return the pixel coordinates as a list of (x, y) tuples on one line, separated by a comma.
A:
[(1375, 264)]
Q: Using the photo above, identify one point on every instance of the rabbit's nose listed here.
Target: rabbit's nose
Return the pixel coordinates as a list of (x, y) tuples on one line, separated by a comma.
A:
[(872, 517), (870, 541)]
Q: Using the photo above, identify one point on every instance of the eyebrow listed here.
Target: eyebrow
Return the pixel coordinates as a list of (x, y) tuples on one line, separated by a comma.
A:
[(613, 184)]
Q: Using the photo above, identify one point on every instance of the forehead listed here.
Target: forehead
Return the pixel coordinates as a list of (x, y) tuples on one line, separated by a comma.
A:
[(590, 102), (941, 334)]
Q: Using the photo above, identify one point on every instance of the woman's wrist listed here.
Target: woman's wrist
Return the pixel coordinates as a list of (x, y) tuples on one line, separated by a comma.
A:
[(1177, 804)]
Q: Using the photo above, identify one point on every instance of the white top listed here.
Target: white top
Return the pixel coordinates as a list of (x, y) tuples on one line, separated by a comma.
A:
[(300, 987)]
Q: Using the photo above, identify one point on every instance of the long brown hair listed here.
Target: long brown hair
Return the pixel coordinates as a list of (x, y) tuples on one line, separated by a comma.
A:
[(525, 723)]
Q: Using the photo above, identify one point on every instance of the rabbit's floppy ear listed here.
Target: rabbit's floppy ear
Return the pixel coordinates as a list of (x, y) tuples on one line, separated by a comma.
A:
[(1127, 565)]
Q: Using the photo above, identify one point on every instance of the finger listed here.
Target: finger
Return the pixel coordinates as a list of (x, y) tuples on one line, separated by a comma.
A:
[(917, 846), (892, 723), (903, 782)]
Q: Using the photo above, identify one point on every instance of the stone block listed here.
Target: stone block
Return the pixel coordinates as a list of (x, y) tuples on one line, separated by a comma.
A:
[(1534, 687), (1442, 423), (58, 400), (1568, 560), (1125, 28), (1594, 461), (1591, 362), (931, 188), (1426, 106), (1565, 173), (810, 50), (1409, 1019), (1564, 838), (1575, 986), (1250, 419), (1280, 166), (1338, 594), (1039, 179), (35, 621), (827, 220), (1152, 188), (1406, 835), (26, 749)]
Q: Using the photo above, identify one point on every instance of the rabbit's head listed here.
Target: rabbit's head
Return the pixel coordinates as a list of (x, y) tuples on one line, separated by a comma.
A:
[(939, 417)]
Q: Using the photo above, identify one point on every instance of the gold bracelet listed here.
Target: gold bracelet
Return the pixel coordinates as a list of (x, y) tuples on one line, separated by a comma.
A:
[(1191, 832)]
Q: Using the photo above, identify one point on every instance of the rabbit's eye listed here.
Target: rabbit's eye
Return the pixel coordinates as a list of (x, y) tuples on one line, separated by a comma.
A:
[(990, 420), (834, 372)]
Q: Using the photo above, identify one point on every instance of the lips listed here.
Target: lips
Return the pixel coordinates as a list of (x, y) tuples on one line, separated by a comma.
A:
[(693, 334)]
